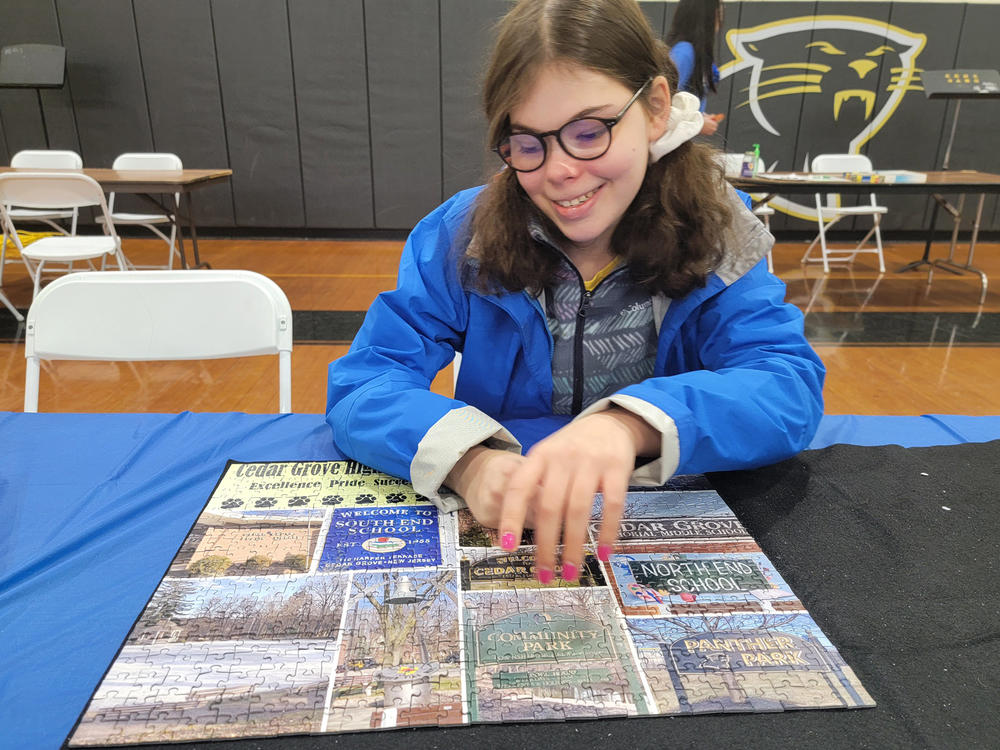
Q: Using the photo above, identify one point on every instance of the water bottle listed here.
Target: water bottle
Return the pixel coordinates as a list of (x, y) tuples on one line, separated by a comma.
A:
[(749, 166)]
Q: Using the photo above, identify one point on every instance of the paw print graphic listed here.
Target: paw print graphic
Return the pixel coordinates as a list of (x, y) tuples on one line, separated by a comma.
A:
[(395, 497), (232, 502), (298, 500), (421, 498), (332, 500), (265, 502), (365, 499)]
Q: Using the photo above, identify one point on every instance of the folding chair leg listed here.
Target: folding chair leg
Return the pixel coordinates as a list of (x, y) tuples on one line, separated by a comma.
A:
[(124, 264), (821, 238), (822, 246), (38, 278), (878, 243), (171, 243), (31, 379), (859, 246), (173, 251)]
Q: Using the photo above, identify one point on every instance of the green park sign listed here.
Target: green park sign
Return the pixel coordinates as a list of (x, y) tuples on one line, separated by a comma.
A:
[(543, 637)]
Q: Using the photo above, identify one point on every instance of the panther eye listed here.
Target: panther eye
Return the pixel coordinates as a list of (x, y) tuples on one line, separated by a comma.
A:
[(879, 51), (826, 47)]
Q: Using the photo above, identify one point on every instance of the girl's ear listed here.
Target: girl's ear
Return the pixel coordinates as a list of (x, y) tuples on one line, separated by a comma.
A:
[(658, 107)]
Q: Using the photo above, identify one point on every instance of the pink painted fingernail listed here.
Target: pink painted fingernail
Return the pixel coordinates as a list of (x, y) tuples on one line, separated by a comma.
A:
[(544, 575), (570, 572), (603, 552), (507, 541)]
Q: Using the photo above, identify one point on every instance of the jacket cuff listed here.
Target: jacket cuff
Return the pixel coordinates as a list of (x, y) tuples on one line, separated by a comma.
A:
[(659, 470), (445, 443)]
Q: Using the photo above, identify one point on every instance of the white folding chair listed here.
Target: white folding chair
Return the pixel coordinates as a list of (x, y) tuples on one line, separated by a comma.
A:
[(159, 315), (829, 214), (733, 163), (154, 162), (41, 159), (66, 191)]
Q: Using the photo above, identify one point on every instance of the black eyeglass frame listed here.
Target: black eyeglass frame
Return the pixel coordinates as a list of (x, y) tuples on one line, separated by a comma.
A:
[(608, 122)]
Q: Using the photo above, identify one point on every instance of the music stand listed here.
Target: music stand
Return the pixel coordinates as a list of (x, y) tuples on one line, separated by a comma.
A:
[(33, 66), (957, 85)]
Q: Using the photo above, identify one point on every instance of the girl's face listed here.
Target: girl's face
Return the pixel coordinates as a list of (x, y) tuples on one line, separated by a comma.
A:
[(587, 199)]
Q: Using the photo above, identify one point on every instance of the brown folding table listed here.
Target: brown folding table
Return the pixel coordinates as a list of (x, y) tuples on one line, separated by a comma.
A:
[(148, 184), (963, 181)]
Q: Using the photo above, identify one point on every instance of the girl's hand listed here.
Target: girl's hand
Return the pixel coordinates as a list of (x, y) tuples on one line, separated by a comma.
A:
[(556, 484), (711, 124), (481, 478)]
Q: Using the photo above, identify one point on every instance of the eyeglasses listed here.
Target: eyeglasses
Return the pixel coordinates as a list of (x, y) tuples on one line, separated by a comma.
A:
[(586, 139)]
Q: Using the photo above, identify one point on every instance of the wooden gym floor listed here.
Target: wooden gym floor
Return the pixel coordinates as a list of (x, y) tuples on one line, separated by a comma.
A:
[(891, 344)]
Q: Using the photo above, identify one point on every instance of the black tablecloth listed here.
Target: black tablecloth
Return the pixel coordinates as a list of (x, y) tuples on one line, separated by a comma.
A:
[(894, 553)]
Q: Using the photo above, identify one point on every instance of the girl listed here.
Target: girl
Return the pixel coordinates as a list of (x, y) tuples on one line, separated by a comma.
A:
[(605, 291), (692, 50)]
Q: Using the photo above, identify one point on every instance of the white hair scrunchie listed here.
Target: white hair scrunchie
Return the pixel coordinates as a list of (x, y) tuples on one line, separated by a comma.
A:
[(686, 121)]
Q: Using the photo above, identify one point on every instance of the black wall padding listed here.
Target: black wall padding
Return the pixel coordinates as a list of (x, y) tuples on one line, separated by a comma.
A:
[(365, 114), (109, 95), (328, 52), (918, 120), (177, 48), (404, 88), (258, 99), (818, 131), (656, 15), (468, 29), (976, 135)]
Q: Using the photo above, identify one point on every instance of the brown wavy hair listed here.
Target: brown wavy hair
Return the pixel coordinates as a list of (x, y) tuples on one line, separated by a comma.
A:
[(671, 234)]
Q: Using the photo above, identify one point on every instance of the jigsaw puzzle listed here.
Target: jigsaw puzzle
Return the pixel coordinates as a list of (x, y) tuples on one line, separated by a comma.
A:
[(322, 596)]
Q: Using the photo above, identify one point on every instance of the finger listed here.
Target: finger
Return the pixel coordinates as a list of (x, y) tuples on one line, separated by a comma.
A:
[(581, 500), (518, 492), (549, 510), (614, 487), (493, 493)]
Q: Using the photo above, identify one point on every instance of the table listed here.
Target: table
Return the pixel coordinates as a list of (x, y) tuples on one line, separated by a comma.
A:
[(941, 181), (938, 182), (148, 184), (94, 507)]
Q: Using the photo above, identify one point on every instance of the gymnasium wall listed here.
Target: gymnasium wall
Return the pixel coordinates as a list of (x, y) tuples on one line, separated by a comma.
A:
[(364, 114)]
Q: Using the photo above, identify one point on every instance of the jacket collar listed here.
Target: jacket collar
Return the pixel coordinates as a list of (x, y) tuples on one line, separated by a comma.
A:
[(745, 243)]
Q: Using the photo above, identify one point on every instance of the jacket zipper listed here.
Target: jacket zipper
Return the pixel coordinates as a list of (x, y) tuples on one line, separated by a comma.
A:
[(581, 319)]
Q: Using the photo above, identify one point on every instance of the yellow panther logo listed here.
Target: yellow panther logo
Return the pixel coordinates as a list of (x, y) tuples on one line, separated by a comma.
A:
[(846, 70)]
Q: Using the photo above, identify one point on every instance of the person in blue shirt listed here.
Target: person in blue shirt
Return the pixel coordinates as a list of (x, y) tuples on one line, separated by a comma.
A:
[(606, 290), (691, 39)]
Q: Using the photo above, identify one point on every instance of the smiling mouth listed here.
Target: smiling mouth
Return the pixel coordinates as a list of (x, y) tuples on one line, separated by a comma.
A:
[(868, 97), (577, 201)]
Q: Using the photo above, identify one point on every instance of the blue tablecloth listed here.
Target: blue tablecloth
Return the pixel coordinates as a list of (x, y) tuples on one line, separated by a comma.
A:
[(909, 432), (94, 507)]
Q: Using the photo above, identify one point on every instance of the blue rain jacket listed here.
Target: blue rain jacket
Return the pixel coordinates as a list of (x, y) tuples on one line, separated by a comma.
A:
[(733, 371)]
